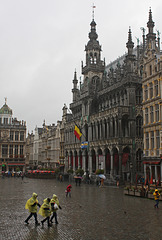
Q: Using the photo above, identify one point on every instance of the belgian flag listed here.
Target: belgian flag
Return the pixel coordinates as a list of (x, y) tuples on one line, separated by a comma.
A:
[(77, 132)]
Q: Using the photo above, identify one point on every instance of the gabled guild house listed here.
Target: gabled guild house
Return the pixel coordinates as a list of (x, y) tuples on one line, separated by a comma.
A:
[(12, 141)]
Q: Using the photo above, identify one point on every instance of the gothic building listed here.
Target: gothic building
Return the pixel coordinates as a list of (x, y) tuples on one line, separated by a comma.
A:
[(107, 107)]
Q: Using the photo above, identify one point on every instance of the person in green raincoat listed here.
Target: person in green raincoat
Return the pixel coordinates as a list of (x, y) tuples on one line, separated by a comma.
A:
[(54, 207), (45, 211), (31, 205)]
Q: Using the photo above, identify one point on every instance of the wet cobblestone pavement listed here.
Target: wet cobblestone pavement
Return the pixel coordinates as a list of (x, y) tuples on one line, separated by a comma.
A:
[(91, 213)]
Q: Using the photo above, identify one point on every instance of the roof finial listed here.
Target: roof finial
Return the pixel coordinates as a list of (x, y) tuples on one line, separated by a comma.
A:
[(5, 100), (93, 11)]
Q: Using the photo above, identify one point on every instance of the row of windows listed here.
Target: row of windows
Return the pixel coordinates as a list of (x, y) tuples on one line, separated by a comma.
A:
[(152, 114), (17, 135), (150, 140), (12, 149), (151, 90), (5, 121)]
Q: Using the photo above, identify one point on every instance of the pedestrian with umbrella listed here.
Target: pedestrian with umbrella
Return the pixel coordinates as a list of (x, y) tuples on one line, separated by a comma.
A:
[(102, 177)]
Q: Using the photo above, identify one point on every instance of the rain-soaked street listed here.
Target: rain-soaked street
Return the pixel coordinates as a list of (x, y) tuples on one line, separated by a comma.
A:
[(91, 213)]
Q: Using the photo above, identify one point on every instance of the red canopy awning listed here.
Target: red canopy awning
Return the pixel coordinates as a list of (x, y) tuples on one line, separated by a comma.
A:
[(151, 162)]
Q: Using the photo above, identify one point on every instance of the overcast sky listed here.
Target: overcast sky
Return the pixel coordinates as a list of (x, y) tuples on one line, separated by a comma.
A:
[(42, 42)]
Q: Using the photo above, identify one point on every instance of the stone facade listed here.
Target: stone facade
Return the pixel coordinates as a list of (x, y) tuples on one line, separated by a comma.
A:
[(107, 107), (43, 148), (12, 141), (152, 103)]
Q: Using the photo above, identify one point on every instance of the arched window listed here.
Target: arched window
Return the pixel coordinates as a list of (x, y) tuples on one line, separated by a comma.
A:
[(139, 123), (139, 160)]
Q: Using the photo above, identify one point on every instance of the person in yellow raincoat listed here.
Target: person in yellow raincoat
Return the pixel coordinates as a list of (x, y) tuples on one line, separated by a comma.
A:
[(54, 207), (156, 197), (31, 205), (45, 211)]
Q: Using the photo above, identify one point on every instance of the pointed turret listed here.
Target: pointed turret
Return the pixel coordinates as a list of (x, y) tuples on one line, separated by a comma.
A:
[(93, 52), (130, 58), (75, 89), (151, 36), (130, 43)]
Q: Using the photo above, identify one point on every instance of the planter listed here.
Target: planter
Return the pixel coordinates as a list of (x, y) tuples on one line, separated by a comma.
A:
[(137, 194), (150, 196), (131, 193), (126, 191)]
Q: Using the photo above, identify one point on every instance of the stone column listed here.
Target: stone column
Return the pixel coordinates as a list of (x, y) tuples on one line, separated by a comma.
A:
[(96, 131), (90, 132), (108, 134), (74, 157), (156, 176), (96, 160), (112, 165), (79, 166), (145, 175), (70, 161), (115, 127), (111, 128), (84, 161), (90, 162), (104, 164), (120, 165), (101, 130)]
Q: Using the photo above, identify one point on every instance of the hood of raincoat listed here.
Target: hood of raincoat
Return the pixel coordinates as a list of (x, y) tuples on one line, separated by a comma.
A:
[(55, 199), (30, 202), (34, 195)]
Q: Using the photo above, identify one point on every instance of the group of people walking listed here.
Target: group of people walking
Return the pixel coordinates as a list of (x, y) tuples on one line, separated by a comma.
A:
[(48, 208)]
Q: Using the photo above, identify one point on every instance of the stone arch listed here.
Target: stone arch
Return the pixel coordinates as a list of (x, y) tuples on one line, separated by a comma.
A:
[(139, 154), (139, 124), (100, 158), (71, 162), (107, 161), (125, 125), (93, 160), (80, 159), (125, 156), (115, 161), (75, 160)]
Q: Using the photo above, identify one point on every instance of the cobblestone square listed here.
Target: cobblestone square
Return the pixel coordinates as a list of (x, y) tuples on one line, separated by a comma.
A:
[(91, 213)]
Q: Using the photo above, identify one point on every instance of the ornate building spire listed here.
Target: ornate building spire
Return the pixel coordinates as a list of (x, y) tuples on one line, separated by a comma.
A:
[(130, 43), (75, 90), (151, 36), (93, 51)]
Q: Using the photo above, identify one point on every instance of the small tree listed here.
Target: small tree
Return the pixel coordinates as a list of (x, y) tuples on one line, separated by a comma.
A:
[(79, 172), (70, 171), (99, 171)]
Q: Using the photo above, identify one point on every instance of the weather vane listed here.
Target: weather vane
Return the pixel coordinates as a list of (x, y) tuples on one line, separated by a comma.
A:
[(93, 11)]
